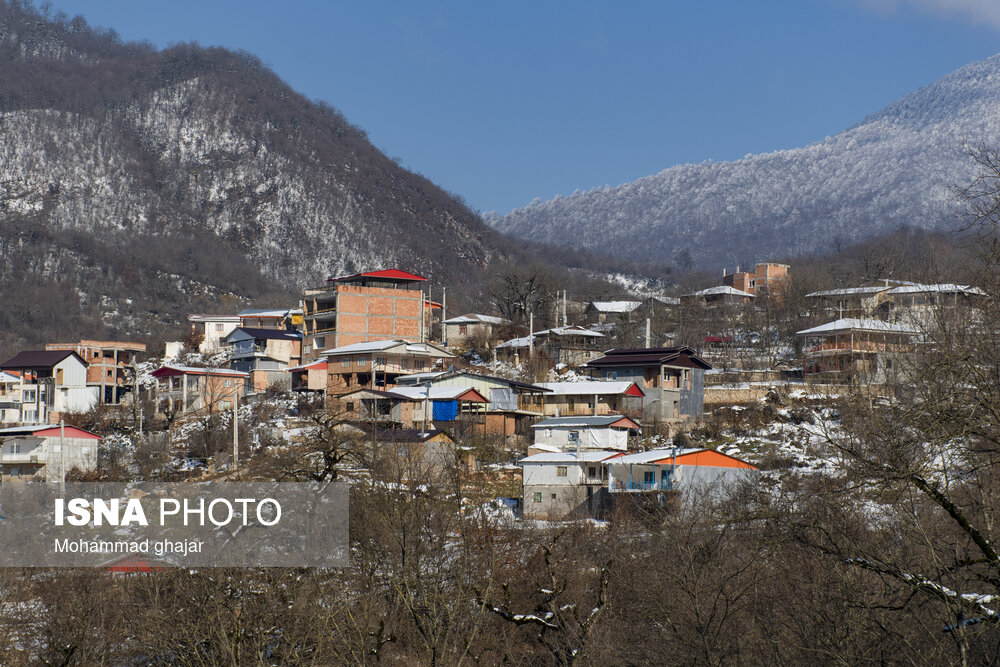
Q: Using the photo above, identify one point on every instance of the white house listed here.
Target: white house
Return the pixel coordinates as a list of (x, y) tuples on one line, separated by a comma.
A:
[(692, 471), (561, 485), (214, 328), (457, 330), (584, 433), (53, 382), (45, 452)]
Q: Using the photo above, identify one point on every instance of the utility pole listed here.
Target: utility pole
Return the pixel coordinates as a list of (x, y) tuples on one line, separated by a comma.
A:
[(531, 334), (236, 424), (62, 456), (444, 315), (564, 308), (648, 332)]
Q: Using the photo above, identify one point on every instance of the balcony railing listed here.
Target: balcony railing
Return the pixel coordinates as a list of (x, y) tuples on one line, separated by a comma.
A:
[(625, 486)]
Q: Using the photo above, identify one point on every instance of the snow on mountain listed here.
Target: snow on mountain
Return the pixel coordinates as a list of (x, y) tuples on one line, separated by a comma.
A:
[(897, 167)]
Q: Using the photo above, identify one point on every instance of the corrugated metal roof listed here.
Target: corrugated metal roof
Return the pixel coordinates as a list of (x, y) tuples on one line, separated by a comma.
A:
[(855, 324), (591, 387), (270, 334), (170, 369), (721, 289), (593, 421)]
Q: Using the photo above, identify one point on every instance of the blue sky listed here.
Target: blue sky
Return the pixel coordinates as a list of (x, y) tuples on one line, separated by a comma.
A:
[(505, 102)]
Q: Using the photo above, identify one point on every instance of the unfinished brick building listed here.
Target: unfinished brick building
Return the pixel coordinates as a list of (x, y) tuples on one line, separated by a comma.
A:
[(370, 306)]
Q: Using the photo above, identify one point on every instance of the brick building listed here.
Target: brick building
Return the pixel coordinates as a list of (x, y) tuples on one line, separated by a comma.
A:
[(109, 366), (376, 305), (766, 276)]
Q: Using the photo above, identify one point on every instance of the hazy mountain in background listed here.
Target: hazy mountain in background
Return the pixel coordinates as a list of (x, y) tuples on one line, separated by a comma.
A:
[(151, 181), (894, 168)]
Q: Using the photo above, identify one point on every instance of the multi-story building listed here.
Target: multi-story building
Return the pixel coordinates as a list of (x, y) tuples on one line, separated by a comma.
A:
[(213, 328), (53, 382), (270, 318), (110, 367), (265, 354), (377, 364), (183, 390), (766, 277), (370, 306), (672, 380), (855, 347)]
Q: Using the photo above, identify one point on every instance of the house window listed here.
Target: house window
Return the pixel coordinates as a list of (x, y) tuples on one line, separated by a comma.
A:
[(225, 405), (538, 498), (592, 471), (28, 396), (345, 361), (647, 477), (349, 406), (227, 384), (611, 375), (574, 437), (561, 471), (463, 329), (218, 327), (553, 496), (110, 373)]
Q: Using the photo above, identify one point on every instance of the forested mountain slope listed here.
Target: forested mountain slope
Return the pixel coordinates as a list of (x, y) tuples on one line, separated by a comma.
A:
[(205, 165), (896, 168)]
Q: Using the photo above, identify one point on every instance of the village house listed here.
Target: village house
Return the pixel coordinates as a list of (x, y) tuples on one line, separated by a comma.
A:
[(213, 329), (722, 295), (361, 308), (582, 433), (110, 366), (574, 485), (592, 397), (53, 382), (309, 377), (609, 311), (377, 364), (421, 452), (696, 473), (184, 390), (265, 355), (10, 398), (289, 319), (572, 345), (926, 306), (458, 330), (853, 347), (853, 302), (45, 453), (565, 485), (672, 380), (416, 407), (767, 277), (513, 406)]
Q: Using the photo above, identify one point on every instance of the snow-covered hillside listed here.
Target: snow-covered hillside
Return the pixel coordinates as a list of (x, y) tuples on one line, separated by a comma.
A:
[(897, 167)]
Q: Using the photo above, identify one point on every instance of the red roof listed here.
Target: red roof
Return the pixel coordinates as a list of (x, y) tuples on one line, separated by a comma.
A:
[(388, 274), (709, 458), (71, 432)]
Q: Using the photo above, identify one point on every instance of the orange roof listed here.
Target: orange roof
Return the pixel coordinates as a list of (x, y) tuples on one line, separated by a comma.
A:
[(709, 458)]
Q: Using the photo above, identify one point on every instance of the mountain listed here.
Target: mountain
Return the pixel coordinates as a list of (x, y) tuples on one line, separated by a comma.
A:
[(896, 168), (195, 171)]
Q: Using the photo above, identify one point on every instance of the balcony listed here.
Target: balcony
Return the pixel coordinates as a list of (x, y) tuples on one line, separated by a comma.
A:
[(29, 457)]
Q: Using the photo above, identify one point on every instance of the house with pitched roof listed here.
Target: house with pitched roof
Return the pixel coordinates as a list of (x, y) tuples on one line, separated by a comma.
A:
[(457, 330), (264, 354), (376, 364), (592, 398), (45, 453), (672, 380), (855, 347), (53, 382), (110, 366), (584, 433)]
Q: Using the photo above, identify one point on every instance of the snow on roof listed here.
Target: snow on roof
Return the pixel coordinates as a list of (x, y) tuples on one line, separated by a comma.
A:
[(213, 318), (574, 330), (475, 318), (594, 421), (588, 387), (368, 346), (386, 274), (515, 343), (7, 378), (570, 457), (264, 312), (943, 288), (850, 291), (720, 289), (319, 363), (615, 306), (655, 455), (856, 324)]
